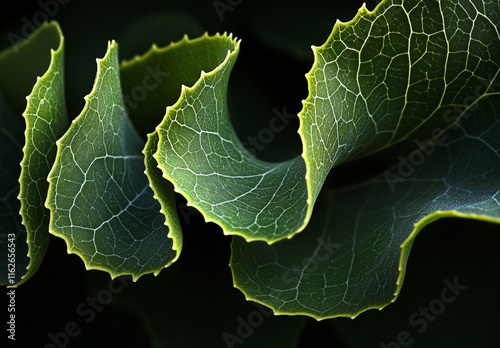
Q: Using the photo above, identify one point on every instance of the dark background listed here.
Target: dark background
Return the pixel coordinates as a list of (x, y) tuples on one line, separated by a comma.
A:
[(273, 75)]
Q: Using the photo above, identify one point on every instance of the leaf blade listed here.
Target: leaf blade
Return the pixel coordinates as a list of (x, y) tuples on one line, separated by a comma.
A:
[(100, 199), (373, 221), (354, 254), (44, 122), (196, 141)]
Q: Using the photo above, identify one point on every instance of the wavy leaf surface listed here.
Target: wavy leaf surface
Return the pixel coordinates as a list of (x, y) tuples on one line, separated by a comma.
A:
[(418, 78), (29, 156), (353, 255), (100, 199)]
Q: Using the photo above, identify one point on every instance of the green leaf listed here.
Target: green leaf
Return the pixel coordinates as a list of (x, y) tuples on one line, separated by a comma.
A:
[(371, 87), (154, 81), (392, 75), (384, 83), (100, 199), (160, 28), (198, 151), (45, 121), (353, 255), (447, 300), (311, 24)]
